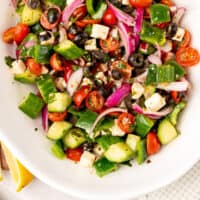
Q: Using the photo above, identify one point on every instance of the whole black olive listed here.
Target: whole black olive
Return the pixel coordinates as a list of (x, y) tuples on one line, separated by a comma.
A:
[(171, 30), (44, 36), (157, 1), (136, 60), (128, 102), (74, 29), (116, 74), (104, 92), (52, 15), (127, 9), (88, 146), (98, 55), (34, 4), (81, 38)]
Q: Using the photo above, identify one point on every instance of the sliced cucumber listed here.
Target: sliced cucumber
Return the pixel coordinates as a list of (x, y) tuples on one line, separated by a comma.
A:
[(25, 77), (74, 138), (132, 141), (166, 131), (31, 105), (46, 86), (106, 140), (30, 16), (141, 152), (58, 129), (119, 152), (58, 150), (69, 50), (58, 102), (104, 167)]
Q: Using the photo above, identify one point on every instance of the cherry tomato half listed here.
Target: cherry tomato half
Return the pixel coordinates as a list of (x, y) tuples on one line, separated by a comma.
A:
[(8, 35), (81, 94), (110, 44), (56, 63), (95, 101), (175, 96), (187, 57), (84, 22), (74, 154), (140, 3), (153, 144), (56, 117), (126, 122), (123, 67), (33, 66), (21, 31), (186, 40), (109, 17)]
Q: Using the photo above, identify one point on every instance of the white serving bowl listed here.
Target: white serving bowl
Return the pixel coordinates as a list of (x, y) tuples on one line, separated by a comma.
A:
[(33, 149)]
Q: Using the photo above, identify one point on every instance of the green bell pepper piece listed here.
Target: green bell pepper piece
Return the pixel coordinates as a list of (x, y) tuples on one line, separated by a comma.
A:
[(141, 152), (96, 8), (159, 13), (104, 167), (143, 125), (173, 117), (152, 34)]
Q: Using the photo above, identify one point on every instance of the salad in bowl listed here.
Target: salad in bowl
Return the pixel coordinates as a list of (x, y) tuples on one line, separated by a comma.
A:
[(112, 76)]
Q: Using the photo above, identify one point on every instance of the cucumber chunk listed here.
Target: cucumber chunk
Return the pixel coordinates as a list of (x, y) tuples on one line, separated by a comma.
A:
[(58, 150), (46, 86), (104, 167), (58, 129), (25, 77), (30, 16), (69, 50), (132, 141), (58, 102), (141, 153), (31, 105), (74, 138), (166, 131), (143, 125), (119, 152), (106, 140)]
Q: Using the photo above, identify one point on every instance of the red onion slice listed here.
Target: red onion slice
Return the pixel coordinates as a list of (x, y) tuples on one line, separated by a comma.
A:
[(45, 119), (179, 15)]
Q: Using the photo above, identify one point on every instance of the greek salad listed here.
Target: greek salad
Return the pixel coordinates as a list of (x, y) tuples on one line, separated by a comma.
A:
[(111, 76)]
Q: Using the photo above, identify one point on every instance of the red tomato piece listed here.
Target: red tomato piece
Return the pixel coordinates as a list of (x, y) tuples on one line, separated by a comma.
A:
[(56, 63), (74, 154), (8, 35), (33, 66), (56, 117), (21, 31), (110, 44), (140, 3), (109, 17), (153, 144)]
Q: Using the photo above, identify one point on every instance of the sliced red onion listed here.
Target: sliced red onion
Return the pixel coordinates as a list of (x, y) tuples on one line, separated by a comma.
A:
[(18, 51), (155, 58), (179, 15), (103, 114), (74, 81), (167, 47), (118, 95), (29, 43), (138, 20), (45, 119), (127, 38), (137, 39), (152, 115), (179, 86), (141, 78), (69, 9), (121, 16)]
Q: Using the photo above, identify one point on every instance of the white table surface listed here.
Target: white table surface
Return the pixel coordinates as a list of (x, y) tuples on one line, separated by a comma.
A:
[(186, 188)]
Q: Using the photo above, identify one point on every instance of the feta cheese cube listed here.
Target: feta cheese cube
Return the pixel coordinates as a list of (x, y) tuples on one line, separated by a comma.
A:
[(44, 70), (99, 31), (87, 159), (60, 83), (91, 45), (18, 67), (137, 90), (179, 34), (155, 102), (116, 131)]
